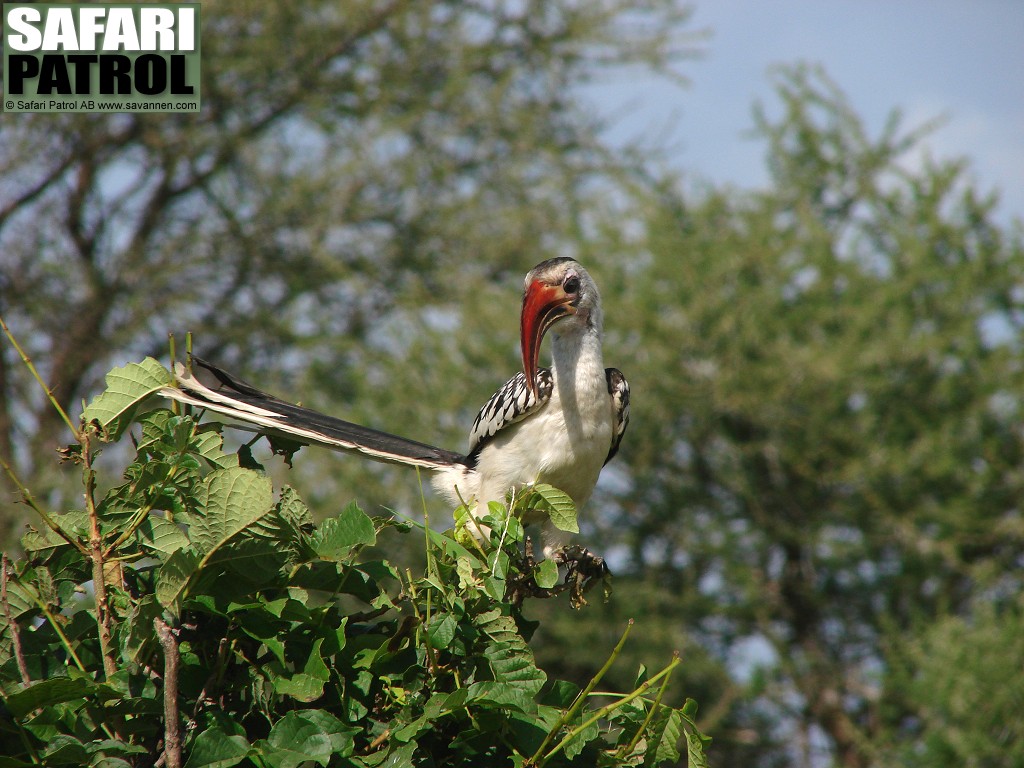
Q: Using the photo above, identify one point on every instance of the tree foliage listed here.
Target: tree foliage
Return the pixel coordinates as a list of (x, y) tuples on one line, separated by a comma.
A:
[(227, 628), (827, 458)]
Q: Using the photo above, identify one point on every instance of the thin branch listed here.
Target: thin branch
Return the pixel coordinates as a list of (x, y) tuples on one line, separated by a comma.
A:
[(172, 718), (32, 368), (99, 576), (53, 525), (19, 652), (605, 711), (580, 699), (627, 748)]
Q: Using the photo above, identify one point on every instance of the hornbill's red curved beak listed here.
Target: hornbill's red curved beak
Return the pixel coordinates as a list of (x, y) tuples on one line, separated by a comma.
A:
[(543, 305)]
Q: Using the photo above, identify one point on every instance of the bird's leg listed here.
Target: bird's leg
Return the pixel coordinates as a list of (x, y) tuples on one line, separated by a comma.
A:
[(582, 570)]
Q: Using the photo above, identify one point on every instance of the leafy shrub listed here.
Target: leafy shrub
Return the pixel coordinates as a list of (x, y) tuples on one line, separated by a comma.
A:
[(189, 616)]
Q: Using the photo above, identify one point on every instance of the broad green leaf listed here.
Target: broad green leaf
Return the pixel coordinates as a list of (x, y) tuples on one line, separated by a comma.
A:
[(126, 388), (48, 692), (106, 748), (579, 742), (293, 509), (19, 600), (558, 505), (450, 546), (695, 742), (663, 737), (173, 578), (293, 740), (65, 750), (161, 535), (341, 735), (514, 663), (210, 445), (258, 624), (229, 501), (442, 631), (103, 761), (546, 574), (43, 538), (307, 685), (561, 694), (255, 560), (501, 695), (215, 749), (337, 536)]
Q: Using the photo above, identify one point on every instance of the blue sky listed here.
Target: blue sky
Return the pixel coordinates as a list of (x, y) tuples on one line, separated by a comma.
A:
[(963, 59)]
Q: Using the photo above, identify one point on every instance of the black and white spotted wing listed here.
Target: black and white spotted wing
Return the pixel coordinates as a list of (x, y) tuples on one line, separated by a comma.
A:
[(512, 403), (618, 388)]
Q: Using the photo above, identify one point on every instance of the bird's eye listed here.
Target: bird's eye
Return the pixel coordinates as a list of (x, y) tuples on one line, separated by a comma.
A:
[(571, 284)]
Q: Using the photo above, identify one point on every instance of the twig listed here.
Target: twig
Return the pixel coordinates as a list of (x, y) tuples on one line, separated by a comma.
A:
[(627, 748), (35, 373), (172, 719), (431, 657), (570, 713), (26, 496), (379, 740), (215, 678), (605, 711), (19, 653), (99, 577), (175, 405)]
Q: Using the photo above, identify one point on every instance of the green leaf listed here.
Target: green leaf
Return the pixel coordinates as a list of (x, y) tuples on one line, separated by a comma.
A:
[(210, 445), (663, 737), (229, 501), (161, 535), (307, 685), (109, 762), (337, 536), (695, 742), (442, 631), (501, 696), (514, 663), (126, 388), (546, 574), (48, 692), (293, 740), (106, 748), (558, 505), (65, 750), (293, 509), (341, 735), (173, 578), (213, 748)]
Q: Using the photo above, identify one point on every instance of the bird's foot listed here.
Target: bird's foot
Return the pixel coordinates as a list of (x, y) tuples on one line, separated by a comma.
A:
[(583, 569)]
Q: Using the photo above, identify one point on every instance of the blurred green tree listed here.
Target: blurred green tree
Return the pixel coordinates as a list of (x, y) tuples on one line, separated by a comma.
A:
[(825, 459)]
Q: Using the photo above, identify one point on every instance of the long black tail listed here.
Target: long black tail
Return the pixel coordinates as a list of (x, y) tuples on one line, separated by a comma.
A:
[(241, 401)]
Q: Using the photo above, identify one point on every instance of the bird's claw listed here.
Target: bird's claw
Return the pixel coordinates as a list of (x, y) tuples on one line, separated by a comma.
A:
[(582, 570)]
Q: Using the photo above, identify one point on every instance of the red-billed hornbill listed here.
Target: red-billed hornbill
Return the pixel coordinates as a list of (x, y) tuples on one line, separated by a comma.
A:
[(557, 425)]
